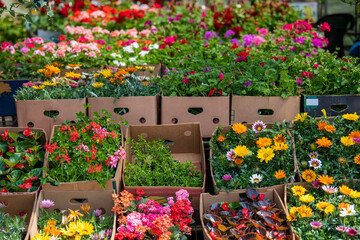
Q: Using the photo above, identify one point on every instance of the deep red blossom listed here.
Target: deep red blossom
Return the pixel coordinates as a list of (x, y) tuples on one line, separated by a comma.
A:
[(27, 133), (325, 27), (213, 92), (129, 14), (2, 4), (5, 135)]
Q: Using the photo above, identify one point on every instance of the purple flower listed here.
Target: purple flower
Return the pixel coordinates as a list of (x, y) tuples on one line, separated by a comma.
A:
[(235, 41), (148, 23), (282, 48), (316, 225), (97, 212), (356, 140), (47, 203), (342, 229), (24, 49), (316, 184), (299, 81), (317, 43), (247, 84), (227, 178), (182, 194), (38, 83), (352, 232), (313, 155), (300, 40), (248, 39), (191, 21), (229, 33), (73, 85), (210, 35), (230, 155), (292, 48), (315, 163), (170, 200)]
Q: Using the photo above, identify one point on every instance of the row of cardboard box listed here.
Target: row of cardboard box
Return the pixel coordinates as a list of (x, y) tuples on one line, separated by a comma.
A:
[(209, 111)]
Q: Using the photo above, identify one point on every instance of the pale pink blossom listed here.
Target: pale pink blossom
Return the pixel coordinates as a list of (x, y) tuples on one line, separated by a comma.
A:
[(38, 52), (132, 32), (97, 14), (145, 33), (91, 54), (135, 7)]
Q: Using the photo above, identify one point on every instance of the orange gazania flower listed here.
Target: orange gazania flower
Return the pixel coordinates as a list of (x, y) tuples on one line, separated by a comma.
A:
[(279, 138), (357, 159), (238, 161), (148, 42), (345, 190), (330, 128), (325, 179), (239, 128), (263, 142), (343, 205), (354, 134), (321, 125), (280, 174), (323, 142), (130, 70), (221, 138)]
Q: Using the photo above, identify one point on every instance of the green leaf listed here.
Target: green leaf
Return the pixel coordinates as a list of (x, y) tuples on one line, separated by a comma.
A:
[(14, 136), (234, 205)]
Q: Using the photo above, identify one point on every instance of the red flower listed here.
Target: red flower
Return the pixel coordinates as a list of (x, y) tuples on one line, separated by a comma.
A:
[(27, 132), (140, 192), (225, 206), (62, 38), (74, 134), (51, 147), (78, 5), (2, 4), (4, 190), (4, 136), (325, 27)]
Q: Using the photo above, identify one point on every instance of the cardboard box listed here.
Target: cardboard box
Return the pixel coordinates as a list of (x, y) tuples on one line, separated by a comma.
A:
[(139, 110), (334, 105), (206, 200), (186, 145), (74, 199), (7, 92), (248, 109), (209, 111), (31, 112), (113, 183)]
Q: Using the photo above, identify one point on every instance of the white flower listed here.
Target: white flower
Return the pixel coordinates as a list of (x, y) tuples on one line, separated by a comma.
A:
[(154, 46), (349, 211), (135, 45), (256, 178), (128, 49), (114, 55), (315, 163), (329, 189), (117, 63), (143, 53), (132, 59)]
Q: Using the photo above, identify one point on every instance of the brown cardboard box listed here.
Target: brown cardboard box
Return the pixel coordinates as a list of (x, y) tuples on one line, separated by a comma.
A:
[(70, 199), (113, 183), (141, 110), (206, 200), (187, 146), (247, 108), (215, 112), (32, 111)]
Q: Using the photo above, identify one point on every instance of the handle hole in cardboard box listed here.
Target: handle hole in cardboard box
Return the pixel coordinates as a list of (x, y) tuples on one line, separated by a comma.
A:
[(30, 124), (51, 113), (142, 120), (216, 120), (266, 112), (72, 121), (121, 111), (174, 120), (78, 200), (187, 133), (168, 142), (339, 107), (195, 111)]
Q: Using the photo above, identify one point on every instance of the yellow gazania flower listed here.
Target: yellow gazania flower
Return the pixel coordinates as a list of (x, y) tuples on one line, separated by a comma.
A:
[(298, 190), (330, 128), (301, 117), (74, 215), (280, 174), (85, 228), (280, 146), (351, 117), (265, 154), (279, 139), (345, 190), (305, 211), (72, 75), (241, 151), (74, 65), (291, 218), (324, 112), (85, 208), (321, 125), (221, 138), (306, 198), (239, 128), (97, 84), (47, 83), (342, 160), (325, 179), (41, 236), (343, 205), (354, 194), (347, 141), (357, 159), (70, 230), (39, 87), (106, 73), (329, 209), (325, 207), (263, 142), (139, 67), (50, 70), (293, 210), (323, 142), (308, 175), (96, 74)]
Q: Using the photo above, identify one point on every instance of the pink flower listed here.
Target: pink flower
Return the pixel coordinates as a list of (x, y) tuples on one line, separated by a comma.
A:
[(38, 52), (132, 32), (91, 54), (169, 40), (170, 200), (182, 194), (221, 76), (28, 84), (262, 31), (316, 225), (325, 27), (342, 229), (352, 232), (145, 33), (47, 203), (227, 178), (299, 81)]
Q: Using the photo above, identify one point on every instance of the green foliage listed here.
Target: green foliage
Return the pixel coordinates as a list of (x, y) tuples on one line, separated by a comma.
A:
[(11, 228)]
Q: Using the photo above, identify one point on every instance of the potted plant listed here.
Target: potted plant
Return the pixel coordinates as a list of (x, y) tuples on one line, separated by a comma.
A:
[(11, 227)]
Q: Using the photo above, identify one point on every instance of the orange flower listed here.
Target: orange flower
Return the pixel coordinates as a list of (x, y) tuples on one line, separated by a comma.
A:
[(239, 128), (263, 142), (239, 161), (357, 159), (221, 138), (323, 142), (330, 128), (279, 138), (148, 42), (325, 179), (343, 205), (280, 174), (321, 125), (354, 134)]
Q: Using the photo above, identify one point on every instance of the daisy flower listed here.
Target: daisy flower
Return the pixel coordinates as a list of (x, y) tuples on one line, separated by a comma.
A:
[(256, 178), (258, 126), (315, 163)]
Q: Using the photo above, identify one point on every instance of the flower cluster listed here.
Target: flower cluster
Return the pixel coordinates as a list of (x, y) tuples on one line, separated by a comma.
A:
[(141, 217), (256, 156), (324, 208)]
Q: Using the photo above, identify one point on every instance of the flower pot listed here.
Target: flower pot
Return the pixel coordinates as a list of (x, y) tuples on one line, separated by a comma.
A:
[(35, 113), (185, 144), (333, 104), (209, 111), (138, 110), (248, 109), (7, 101)]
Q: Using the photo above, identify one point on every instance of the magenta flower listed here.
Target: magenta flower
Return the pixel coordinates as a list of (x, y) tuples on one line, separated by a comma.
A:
[(98, 212), (230, 155), (262, 64), (316, 225), (352, 232), (47, 203), (299, 81), (342, 229), (182, 194), (28, 84), (170, 200), (227, 178), (316, 184)]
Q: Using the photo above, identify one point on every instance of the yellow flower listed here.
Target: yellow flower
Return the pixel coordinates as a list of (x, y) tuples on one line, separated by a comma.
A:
[(305, 211), (280, 174), (70, 230), (221, 138), (323, 142), (106, 73), (291, 218), (342, 160), (301, 116), (329, 209), (354, 194), (263, 142), (47, 83), (38, 87), (265, 154), (41, 236), (308, 175), (345, 190), (325, 179), (325, 207), (279, 139), (96, 74), (357, 159), (306, 198), (324, 112), (85, 208), (298, 190), (351, 117), (330, 128), (293, 210), (239, 128), (74, 215), (347, 141), (85, 228), (72, 75), (241, 151), (280, 146), (97, 84)]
